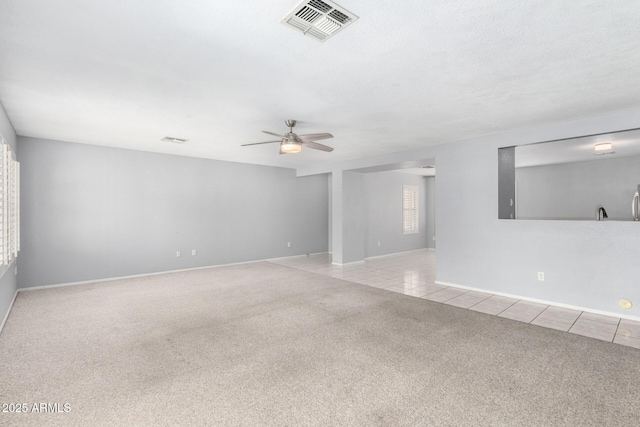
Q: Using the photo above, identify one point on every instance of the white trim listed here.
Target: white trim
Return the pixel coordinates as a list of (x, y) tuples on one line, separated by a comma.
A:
[(348, 263), (383, 256), (399, 253), (541, 301), (6, 316), (294, 256), (111, 279)]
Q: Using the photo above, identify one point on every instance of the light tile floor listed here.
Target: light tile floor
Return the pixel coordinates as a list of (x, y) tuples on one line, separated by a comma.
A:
[(414, 273)]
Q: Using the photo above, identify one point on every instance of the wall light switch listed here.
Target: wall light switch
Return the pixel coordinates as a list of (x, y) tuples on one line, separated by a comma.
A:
[(178, 254), (194, 252), (288, 244), (540, 276), (378, 242)]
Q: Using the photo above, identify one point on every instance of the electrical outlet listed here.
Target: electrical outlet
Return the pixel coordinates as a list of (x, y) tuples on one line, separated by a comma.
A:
[(194, 252), (178, 254), (540, 276)]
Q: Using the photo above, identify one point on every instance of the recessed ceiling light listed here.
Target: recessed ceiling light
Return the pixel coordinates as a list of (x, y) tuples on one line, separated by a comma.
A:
[(174, 140), (605, 146)]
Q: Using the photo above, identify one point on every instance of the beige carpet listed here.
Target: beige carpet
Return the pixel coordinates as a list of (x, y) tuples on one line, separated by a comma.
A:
[(263, 344)]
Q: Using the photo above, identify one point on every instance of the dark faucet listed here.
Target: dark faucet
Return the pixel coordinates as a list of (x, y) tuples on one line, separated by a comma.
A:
[(600, 213)]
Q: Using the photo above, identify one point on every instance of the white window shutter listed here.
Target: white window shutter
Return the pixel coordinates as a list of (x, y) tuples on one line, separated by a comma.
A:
[(410, 209), (3, 203), (9, 205)]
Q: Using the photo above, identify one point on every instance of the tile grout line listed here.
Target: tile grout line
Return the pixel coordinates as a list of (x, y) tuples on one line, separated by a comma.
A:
[(538, 315), (616, 332), (574, 322), (497, 314), (490, 295)]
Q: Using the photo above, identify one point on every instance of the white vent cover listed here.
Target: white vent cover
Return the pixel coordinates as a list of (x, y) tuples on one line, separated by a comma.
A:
[(174, 140), (319, 19)]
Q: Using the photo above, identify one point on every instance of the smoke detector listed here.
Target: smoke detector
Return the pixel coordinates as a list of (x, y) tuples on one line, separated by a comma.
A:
[(319, 19)]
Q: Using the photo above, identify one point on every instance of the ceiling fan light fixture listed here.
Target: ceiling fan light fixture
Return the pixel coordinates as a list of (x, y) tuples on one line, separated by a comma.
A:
[(292, 143), (287, 146)]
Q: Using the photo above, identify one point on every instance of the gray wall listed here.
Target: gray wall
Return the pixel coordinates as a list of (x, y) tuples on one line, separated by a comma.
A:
[(573, 190), (430, 210), (95, 212), (507, 183), (8, 283), (588, 264), (354, 221), (383, 214)]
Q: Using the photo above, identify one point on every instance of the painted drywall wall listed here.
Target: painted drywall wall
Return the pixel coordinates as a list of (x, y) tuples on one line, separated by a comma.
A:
[(355, 220), (348, 219), (93, 212), (590, 264), (8, 282), (573, 190), (587, 264), (507, 183), (330, 210), (430, 210), (383, 211)]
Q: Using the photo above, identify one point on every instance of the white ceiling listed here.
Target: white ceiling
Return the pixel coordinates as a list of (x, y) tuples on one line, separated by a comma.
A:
[(406, 74)]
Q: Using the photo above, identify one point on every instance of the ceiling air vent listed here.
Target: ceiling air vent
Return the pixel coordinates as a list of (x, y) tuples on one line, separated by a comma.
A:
[(319, 19), (174, 140)]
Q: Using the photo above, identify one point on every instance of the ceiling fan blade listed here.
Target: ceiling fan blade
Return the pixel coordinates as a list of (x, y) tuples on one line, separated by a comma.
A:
[(317, 146), (315, 136), (274, 134), (258, 143)]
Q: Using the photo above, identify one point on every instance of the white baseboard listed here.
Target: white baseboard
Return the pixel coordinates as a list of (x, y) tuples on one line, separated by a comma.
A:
[(290, 257), (6, 316), (347, 263), (399, 253), (382, 256), (111, 279), (540, 301)]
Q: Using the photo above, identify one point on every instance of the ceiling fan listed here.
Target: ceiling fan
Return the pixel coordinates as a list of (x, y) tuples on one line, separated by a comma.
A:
[(293, 143)]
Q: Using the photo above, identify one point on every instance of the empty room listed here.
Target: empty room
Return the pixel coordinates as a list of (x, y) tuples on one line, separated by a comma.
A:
[(415, 213)]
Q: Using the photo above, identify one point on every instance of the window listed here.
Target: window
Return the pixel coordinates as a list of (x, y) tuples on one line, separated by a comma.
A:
[(9, 204), (410, 221)]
